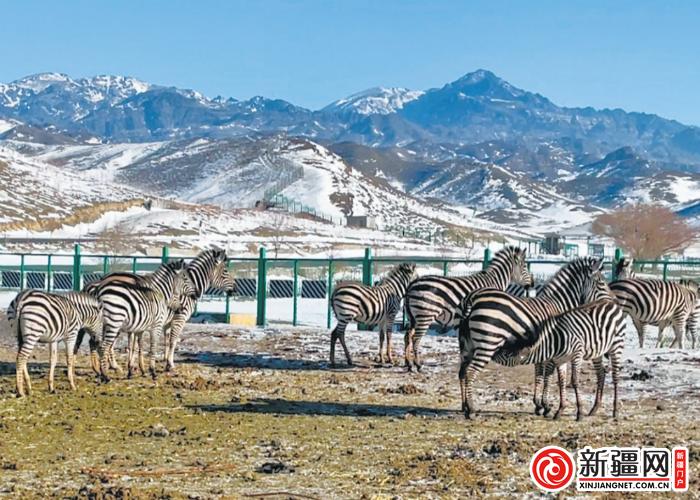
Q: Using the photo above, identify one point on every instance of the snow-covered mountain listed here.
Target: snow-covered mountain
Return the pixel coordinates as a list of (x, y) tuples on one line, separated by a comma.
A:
[(375, 101)]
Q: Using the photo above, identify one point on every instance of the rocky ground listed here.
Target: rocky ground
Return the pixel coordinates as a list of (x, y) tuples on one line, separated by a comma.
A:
[(254, 413)]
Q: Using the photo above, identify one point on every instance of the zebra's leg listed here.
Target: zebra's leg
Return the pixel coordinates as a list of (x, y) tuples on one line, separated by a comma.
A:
[(561, 378), (142, 364), (334, 338), (466, 354), (53, 357), (548, 372), (539, 383), (175, 329), (113, 364), (640, 331), (341, 337), (478, 360), (20, 370), (70, 362), (408, 346), (679, 332), (421, 329), (109, 336), (389, 351), (660, 339), (94, 356), (153, 339), (600, 384), (381, 343), (575, 375), (615, 364), (79, 340), (166, 337)]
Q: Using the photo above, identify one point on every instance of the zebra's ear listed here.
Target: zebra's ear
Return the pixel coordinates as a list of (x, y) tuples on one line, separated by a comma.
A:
[(220, 255)]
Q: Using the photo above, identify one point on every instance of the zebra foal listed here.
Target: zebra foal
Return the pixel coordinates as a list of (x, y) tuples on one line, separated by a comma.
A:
[(371, 305), (588, 332)]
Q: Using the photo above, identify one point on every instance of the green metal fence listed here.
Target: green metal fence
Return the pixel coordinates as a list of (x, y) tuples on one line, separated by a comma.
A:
[(294, 291)]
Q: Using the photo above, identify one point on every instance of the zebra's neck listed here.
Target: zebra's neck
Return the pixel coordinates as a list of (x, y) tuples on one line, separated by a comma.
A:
[(397, 284), (163, 279), (498, 273), (200, 272)]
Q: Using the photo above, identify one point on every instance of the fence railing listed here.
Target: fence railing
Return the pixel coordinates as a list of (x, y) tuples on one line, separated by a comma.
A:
[(295, 291)]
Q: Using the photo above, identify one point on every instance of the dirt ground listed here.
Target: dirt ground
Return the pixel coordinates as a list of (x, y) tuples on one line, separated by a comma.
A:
[(260, 414)]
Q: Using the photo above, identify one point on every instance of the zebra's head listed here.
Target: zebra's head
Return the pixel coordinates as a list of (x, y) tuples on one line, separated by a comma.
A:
[(220, 277), (624, 269), (182, 286), (691, 285), (406, 271), (596, 288)]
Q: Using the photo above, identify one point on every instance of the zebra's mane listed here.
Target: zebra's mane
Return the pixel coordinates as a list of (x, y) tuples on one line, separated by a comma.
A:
[(564, 275), (405, 269), (207, 261)]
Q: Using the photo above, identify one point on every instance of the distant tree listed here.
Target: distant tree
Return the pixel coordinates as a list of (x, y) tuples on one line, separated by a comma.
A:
[(646, 231)]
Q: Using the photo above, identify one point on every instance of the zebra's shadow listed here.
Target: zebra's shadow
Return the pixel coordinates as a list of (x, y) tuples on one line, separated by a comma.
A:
[(8, 367), (325, 408), (245, 360)]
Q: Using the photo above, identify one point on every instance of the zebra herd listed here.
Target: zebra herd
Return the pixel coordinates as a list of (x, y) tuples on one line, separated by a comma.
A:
[(135, 305), (573, 317)]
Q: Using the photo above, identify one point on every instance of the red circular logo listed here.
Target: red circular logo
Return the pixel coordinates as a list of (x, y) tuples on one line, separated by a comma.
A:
[(552, 468)]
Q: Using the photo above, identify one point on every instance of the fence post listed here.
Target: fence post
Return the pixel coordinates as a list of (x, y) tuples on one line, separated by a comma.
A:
[(228, 297), (328, 293), (105, 261), (76, 267), (262, 288), (487, 258), (444, 268), (165, 255), (616, 259), (295, 292), (21, 272), (48, 273), (367, 267), (665, 269)]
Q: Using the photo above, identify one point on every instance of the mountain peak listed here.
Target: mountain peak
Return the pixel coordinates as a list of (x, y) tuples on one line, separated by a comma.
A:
[(479, 76)]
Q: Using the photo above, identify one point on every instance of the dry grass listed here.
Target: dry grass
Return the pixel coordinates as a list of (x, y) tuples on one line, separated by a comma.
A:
[(240, 401)]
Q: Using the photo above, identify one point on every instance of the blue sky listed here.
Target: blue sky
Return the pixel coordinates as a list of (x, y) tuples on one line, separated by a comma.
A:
[(641, 56)]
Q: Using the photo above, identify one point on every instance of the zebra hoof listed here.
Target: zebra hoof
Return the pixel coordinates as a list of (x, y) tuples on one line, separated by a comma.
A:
[(546, 412), (557, 415), (538, 410), (579, 417)]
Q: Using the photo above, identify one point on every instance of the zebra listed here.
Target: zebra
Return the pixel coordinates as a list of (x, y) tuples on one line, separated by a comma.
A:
[(432, 299), (657, 302), (169, 279), (591, 331), (130, 307), (372, 306), (207, 270), (136, 309), (495, 319), (49, 318)]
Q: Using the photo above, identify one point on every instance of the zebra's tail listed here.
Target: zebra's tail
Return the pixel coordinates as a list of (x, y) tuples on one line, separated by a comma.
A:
[(13, 311)]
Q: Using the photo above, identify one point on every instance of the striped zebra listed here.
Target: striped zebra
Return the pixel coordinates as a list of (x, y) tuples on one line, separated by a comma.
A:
[(49, 318), (372, 306), (169, 279), (657, 302), (588, 332), (136, 305), (208, 270), (495, 319), (437, 299)]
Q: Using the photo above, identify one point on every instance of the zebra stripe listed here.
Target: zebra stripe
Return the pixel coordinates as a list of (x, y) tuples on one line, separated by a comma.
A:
[(657, 302), (588, 332), (438, 299), (495, 319), (50, 318), (372, 306), (207, 270), (521, 291)]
